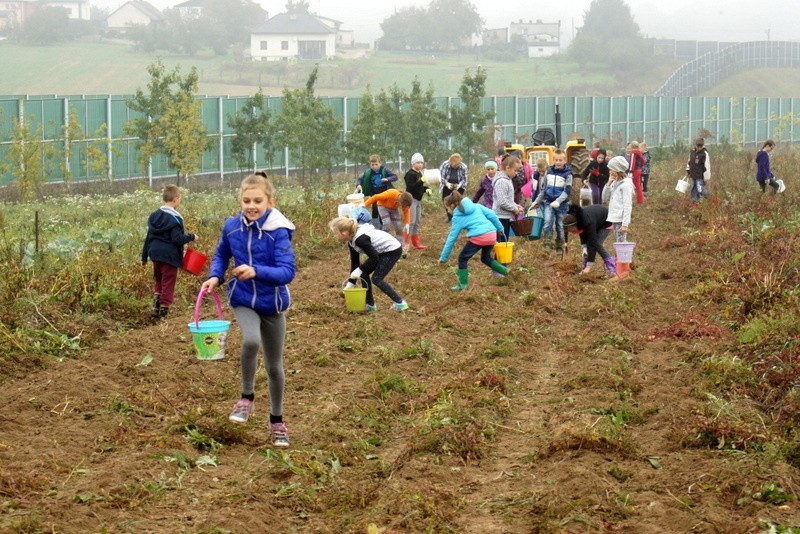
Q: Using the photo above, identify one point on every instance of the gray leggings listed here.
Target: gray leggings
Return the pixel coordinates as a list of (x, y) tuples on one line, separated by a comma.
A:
[(416, 215), (268, 331)]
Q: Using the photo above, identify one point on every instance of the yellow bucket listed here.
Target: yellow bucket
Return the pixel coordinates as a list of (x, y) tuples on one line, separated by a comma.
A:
[(355, 299), (504, 252)]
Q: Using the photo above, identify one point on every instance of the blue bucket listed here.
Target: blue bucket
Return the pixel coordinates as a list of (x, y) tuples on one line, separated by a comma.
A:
[(209, 337)]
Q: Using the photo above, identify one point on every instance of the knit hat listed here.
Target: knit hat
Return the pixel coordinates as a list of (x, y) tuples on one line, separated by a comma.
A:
[(618, 164), (417, 158), (491, 163), (361, 215)]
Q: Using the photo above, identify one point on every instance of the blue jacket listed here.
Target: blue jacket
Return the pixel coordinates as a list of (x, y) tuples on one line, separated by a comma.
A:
[(266, 245), (165, 237), (557, 185), (476, 219)]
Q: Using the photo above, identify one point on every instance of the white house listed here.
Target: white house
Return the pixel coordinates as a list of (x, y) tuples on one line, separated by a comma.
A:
[(344, 38), (293, 35), (543, 38), (191, 8), (131, 13), (15, 11), (76, 9)]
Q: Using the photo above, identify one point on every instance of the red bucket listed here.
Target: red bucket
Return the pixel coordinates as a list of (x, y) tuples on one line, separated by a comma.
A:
[(194, 261)]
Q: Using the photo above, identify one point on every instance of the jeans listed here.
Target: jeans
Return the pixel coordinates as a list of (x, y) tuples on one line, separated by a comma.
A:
[(602, 234), (619, 237), (597, 194), (699, 189), (391, 221), (385, 263), (553, 217), (470, 249)]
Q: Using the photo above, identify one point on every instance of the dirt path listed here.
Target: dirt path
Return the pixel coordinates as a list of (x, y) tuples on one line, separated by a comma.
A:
[(584, 411)]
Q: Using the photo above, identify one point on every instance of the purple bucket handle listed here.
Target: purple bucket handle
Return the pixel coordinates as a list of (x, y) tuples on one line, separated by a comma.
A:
[(197, 304)]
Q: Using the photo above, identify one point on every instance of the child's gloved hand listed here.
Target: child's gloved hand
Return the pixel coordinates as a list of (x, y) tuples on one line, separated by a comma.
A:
[(555, 204), (356, 274), (350, 284), (428, 191), (585, 252)]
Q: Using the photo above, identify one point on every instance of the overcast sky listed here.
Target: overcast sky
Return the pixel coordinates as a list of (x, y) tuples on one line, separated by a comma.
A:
[(720, 20)]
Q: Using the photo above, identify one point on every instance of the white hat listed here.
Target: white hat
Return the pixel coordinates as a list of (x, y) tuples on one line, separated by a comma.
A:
[(618, 164), (417, 158)]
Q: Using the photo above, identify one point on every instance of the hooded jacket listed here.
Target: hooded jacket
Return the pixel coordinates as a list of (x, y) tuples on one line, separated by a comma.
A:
[(619, 196), (165, 237), (503, 196), (266, 245), (475, 219), (557, 185)]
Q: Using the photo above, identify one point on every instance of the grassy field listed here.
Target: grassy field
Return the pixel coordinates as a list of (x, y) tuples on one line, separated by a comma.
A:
[(99, 68), (776, 83)]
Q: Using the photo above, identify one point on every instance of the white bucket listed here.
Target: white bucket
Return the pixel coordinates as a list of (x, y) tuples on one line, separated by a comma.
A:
[(432, 177), (683, 185), (355, 200), (586, 193), (624, 251), (344, 210)]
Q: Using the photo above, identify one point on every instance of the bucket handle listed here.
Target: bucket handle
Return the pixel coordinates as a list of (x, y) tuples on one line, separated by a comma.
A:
[(358, 189), (203, 293), (364, 284)]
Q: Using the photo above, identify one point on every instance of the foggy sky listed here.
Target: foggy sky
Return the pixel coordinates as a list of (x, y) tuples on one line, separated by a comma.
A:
[(722, 20)]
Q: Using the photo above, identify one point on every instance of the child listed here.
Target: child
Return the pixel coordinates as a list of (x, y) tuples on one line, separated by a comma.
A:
[(382, 252), (376, 179), (763, 175), (597, 174), (592, 226), (394, 208), (645, 167), (698, 168), (259, 240), (482, 226), (485, 192), (554, 194), (636, 164), (503, 202), (618, 192), (164, 246), (416, 187), (538, 178), (453, 173)]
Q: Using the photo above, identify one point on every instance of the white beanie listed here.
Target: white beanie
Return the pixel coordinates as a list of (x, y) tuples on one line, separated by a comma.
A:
[(417, 158), (618, 164)]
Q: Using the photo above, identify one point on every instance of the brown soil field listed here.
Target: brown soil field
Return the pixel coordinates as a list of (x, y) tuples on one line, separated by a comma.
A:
[(539, 402)]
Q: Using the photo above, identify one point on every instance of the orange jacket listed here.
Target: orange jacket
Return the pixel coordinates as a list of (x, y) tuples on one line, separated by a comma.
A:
[(389, 199)]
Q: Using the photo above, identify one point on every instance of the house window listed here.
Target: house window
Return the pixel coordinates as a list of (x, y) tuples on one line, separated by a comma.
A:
[(284, 45), (263, 45)]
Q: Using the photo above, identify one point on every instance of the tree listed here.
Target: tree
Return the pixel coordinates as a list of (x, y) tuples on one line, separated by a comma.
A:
[(253, 126), (618, 45), (308, 127), (443, 25), (297, 6), (364, 137), (169, 120), (427, 124), (46, 24), (467, 120), (26, 159), (395, 133)]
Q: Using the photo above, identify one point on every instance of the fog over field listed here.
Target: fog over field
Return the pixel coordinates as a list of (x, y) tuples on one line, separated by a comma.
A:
[(732, 20)]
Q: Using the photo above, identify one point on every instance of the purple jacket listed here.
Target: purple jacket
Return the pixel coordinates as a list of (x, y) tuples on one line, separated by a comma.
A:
[(485, 192), (762, 172)]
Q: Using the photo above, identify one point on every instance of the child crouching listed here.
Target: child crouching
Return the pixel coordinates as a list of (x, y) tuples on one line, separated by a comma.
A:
[(382, 252), (482, 226)]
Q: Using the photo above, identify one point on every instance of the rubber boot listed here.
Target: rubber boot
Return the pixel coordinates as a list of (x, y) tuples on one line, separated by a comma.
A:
[(416, 243), (156, 306), (163, 311), (611, 265), (499, 268), (463, 278), (623, 270), (559, 246)]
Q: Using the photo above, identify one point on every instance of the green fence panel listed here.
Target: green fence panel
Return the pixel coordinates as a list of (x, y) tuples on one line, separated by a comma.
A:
[(9, 111), (5, 177), (526, 113)]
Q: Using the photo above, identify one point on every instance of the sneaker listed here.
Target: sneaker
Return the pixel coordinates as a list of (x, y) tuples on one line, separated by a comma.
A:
[(280, 436), (242, 411), (400, 306), (370, 307), (155, 308)]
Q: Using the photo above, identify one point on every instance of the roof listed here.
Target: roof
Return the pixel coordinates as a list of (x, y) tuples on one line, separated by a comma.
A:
[(295, 23), (192, 3), (147, 8)]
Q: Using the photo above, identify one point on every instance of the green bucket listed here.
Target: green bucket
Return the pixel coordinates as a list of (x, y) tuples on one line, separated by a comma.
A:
[(209, 337)]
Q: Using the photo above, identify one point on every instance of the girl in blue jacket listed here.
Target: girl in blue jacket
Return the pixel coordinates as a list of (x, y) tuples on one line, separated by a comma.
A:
[(482, 226), (259, 240)]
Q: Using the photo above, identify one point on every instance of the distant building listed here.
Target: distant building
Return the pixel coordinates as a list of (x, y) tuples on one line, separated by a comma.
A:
[(344, 38), (495, 36), (133, 13), (543, 38), (293, 36), (14, 12), (191, 8)]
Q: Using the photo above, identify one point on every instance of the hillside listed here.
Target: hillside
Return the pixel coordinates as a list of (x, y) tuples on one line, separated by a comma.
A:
[(541, 402), (775, 83)]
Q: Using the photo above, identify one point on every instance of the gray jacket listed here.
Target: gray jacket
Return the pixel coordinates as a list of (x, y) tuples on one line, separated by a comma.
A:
[(503, 202)]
